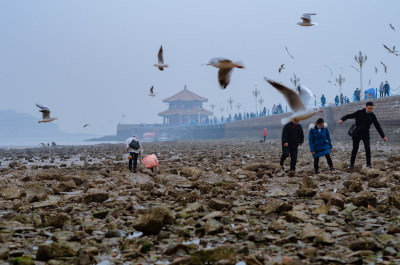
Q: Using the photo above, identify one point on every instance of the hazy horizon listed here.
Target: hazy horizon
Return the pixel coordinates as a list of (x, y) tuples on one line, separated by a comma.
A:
[(92, 61)]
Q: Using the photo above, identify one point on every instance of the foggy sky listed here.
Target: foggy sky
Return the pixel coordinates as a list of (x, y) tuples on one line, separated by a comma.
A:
[(92, 61)]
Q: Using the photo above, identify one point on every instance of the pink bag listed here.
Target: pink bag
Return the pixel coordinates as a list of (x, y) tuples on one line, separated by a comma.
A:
[(150, 161)]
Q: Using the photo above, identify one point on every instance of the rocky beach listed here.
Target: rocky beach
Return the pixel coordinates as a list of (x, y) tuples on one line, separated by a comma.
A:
[(210, 202)]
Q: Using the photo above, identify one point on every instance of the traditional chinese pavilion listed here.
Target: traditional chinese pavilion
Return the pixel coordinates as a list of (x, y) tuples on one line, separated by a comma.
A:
[(185, 108)]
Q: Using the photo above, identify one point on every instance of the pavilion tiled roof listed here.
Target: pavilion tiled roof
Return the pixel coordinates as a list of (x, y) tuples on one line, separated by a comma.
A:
[(185, 95), (170, 112)]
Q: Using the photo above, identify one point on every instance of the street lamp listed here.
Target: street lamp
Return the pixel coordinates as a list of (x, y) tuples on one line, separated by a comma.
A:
[(360, 59), (261, 101), (238, 106), (230, 101), (256, 93), (340, 80)]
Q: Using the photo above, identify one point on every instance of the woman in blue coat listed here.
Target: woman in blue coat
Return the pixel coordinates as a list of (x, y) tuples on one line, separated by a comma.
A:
[(320, 143)]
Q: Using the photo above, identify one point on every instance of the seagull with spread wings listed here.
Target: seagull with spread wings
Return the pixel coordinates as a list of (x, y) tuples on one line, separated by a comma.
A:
[(281, 68), (287, 50), (391, 50), (225, 67), (391, 26), (307, 22), (45, 113), (301, 103), (354, 68), (384, 67), (86, 125), (161, 65)]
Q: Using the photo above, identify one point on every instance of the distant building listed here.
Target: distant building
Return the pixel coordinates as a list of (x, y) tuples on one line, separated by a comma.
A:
[(184, 108)]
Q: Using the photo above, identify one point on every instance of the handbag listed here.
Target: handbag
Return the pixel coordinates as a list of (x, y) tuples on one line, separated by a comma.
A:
[(353, 130)]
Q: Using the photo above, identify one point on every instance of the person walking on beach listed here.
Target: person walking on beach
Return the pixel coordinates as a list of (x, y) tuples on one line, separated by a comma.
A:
[(265, 134), (292, 138), (134, 148), (323, 100), (320, 143), (386, 89), (364, 118), (337, 100)]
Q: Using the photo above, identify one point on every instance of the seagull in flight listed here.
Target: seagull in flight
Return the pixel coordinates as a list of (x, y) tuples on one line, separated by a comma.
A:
[(86, 125), (302, 103), (287, 50), (391, 26), (384, 67), (152, 92), (45, 113), (281, 68), (306, 17), (225, 69), (161, 65), (391, 50), (376, 70), (354, 68), (369, 83), (329, 69)]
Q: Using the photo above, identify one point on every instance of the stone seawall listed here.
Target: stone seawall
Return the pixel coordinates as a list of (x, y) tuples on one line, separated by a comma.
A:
[(388, 118)]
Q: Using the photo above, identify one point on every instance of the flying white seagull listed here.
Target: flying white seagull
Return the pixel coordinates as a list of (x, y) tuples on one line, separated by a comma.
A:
[(152, 92), (301, 103), (85, 125), (391, 50), (391, 26), (225, 69), (384, 67), (287, 50), (45, 114), (306, 17), (161, 65), (281, 68)]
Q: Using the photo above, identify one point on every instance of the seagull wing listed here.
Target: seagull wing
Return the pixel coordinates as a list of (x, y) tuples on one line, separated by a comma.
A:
[(45, 111), (224, 77), (306, 20), (305, 95), (291, 97), (161, 56), (386, 47), (151, 90)]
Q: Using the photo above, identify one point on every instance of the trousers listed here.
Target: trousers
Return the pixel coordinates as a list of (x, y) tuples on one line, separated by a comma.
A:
[(356, 145), (328, 159), (134, 160), (292, 152)]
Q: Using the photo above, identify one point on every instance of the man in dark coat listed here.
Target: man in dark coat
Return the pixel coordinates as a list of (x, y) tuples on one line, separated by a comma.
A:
[(292, 138), (364, 118)]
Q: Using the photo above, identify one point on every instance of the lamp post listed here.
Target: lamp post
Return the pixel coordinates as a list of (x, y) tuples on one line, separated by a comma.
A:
[(256, 93), (295, 81), (360, 59), (238, 106), (340, 80), (261, 101), (230, 101)]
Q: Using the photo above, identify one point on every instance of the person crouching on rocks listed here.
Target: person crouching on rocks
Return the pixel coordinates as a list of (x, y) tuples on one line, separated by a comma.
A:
[(320, 143), (134, 148)]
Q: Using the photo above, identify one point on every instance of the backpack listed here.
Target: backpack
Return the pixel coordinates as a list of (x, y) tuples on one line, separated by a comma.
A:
[(134, 144)]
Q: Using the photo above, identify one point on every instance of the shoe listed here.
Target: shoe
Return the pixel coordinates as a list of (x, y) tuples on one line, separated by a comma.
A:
[(350, 168), (134, 171), (316, 172), (292, 173), (332, 169), (369, 165)]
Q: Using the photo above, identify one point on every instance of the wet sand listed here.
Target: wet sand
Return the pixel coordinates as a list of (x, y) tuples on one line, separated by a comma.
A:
[(210, 202)]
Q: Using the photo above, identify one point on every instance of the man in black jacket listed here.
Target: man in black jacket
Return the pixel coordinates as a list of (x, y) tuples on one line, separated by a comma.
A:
[(292, 138), (364, 118)]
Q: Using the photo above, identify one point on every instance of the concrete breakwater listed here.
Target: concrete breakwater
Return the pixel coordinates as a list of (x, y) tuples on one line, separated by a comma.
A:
[(388, 117)]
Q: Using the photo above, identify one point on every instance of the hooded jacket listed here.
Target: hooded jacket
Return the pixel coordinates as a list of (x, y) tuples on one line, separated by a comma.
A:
[(363, 122), (319, 140)]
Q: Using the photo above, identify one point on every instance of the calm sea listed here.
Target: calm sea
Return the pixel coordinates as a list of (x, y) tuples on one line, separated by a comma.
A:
[(7, 143)]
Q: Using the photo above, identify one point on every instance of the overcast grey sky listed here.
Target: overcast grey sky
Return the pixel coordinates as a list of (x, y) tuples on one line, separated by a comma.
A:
[(92, 61)]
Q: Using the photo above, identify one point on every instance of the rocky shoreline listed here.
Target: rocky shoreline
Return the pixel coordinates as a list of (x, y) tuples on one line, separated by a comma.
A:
[(211, 202)]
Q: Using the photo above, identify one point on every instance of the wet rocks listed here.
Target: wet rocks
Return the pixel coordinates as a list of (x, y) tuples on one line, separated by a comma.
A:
[(296, 216), (276, 206), (364, 244), (95, 195), (213, 227), (54, 250), (221, 255), (56, 220), (334, 198), (219, 204), (394, 200), (152, 221), (364, 199), (12, 192), (23, 261)]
